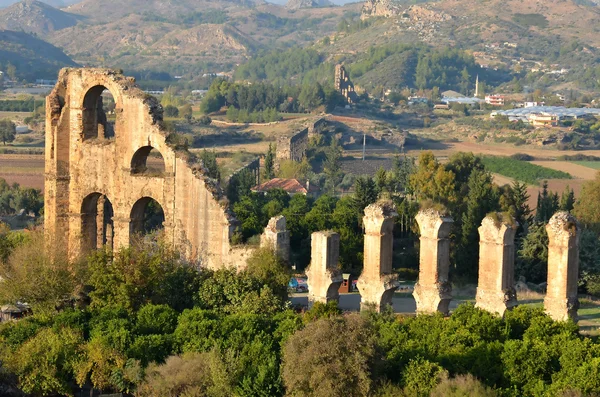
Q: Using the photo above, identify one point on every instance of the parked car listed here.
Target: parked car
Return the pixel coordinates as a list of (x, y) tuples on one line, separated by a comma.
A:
[(298, 284)]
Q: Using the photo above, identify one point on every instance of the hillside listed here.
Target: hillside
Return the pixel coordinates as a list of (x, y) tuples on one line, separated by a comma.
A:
[(35, 17), (33, 58), (187, 36), (53, 3), (549, 43)]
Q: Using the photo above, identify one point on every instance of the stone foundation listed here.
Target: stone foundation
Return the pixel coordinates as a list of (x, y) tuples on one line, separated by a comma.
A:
[(561, 302), (377, 283), (324, 277), (433, 291), (496, 286)]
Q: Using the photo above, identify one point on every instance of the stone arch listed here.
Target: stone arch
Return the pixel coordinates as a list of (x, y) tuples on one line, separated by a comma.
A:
[(97, 227), (96, 123), (147, 215), (148, 161)]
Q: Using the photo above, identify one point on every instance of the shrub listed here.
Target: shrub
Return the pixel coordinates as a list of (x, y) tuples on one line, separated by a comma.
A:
[(187, 375), (462, 386), (330, 357), (156, 319), (421, 376)]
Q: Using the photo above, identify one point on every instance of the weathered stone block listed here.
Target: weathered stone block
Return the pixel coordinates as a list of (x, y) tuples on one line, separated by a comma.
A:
[(561, 302), (496, 286), (377, 284), (324, 277), (433, 291), (277, 237)]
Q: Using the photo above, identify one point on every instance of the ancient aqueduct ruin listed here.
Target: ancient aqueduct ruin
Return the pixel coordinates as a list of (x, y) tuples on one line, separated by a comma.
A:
[(98, 188)]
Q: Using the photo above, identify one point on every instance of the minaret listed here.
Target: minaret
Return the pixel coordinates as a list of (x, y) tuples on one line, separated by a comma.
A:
[(477, 87)]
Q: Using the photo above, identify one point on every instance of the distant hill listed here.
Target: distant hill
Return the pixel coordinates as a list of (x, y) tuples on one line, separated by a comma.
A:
[(188, 36), (297, 4), (35, 17), (53, 3), (33, 58)]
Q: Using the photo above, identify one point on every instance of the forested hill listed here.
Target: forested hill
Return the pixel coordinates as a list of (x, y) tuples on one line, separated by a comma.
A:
[(32, 57), (392, 66)]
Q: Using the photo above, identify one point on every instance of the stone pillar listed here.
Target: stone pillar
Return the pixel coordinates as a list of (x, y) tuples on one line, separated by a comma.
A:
[(377, 283), (496, 286), (277, 237), (324, 277), (561, 301), (433, 291)]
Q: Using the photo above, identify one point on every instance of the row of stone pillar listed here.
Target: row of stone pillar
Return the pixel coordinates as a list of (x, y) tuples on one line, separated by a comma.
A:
[(433, 293)]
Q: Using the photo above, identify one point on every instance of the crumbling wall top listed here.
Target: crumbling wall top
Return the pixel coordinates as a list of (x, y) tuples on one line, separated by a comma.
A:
[(434, 224), (277, 224), (562, 225), (498, 227)]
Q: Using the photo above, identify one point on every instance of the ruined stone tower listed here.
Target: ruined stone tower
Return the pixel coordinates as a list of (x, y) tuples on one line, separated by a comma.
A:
[(98, 187), (377, 283), (496, 286), (561, 302), (433, 291), (343, 85)]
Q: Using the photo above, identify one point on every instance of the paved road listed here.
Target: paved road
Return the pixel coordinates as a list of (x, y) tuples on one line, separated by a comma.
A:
[(351, 302)]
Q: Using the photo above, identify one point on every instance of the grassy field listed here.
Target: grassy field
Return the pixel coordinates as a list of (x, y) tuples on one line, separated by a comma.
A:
[(522, 170), (590, 164)]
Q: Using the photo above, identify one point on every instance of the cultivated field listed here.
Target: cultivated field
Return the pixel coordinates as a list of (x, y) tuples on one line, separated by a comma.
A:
[(576, 170), (590, 164), (26, 170)]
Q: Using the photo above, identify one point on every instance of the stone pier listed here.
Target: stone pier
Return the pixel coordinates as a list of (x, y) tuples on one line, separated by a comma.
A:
[(277, 237), (433, 291), (324, 277), (377, 283), (561, 301), (496, 286)]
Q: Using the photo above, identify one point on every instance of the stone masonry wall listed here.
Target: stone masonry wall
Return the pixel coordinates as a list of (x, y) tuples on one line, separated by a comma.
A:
[(293, 147), (84, 166)]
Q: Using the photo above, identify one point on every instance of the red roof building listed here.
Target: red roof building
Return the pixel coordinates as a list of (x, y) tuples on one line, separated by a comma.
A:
[(291, 186)]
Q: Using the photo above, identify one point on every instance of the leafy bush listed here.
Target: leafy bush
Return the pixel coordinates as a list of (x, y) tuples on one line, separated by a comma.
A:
[(462, 386), (334, 356)]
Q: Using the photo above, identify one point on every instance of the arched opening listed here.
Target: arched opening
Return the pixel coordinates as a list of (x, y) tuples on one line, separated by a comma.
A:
[(97, 228), (148, 161), (99, 114), (147, 216)]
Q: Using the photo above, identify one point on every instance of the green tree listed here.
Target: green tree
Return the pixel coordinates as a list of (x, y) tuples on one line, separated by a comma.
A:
[(431, 181), (547, 204), (365, 193), (587, 208), (171, 111), (186, 111), (209, 160), (332, 165), (481, 200), (270, 163), (147, 272), (311, 96), (45, 363), (332, 356), (44, 280), (532, 258), (514, 201), (8, 131), (567, 200)]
